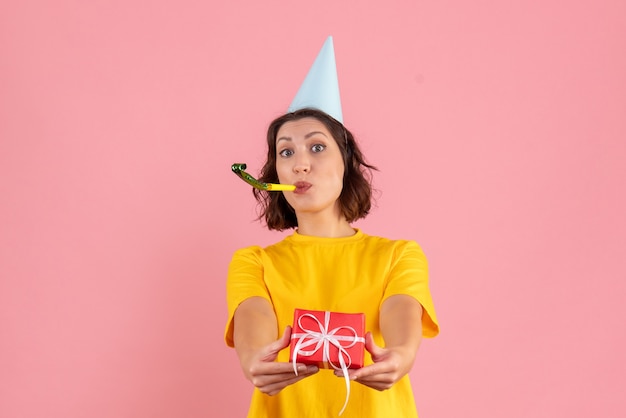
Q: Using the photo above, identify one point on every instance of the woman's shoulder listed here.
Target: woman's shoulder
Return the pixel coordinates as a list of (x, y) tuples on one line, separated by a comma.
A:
[(258, 251), (250, 253), (397, 243)]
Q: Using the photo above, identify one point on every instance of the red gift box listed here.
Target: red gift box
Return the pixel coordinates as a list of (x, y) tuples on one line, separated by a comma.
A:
[(328, 339)]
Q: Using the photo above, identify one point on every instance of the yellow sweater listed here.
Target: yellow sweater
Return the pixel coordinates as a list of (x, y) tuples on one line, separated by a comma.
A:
[(351, 274)]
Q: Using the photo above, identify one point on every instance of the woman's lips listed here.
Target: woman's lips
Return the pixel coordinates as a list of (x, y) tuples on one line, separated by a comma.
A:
[(301, 187)]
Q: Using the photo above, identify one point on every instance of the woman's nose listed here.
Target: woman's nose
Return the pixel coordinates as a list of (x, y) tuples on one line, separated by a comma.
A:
[(302, 164)]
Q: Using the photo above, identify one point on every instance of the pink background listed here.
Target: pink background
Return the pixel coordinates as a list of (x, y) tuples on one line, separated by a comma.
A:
[(500, 131)]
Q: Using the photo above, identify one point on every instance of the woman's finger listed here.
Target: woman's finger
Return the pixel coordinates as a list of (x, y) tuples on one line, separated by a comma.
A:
[(272, 349), (276, 383), (372, 348)]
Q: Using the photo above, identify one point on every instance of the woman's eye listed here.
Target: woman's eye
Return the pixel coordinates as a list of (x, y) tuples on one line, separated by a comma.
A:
[(285, 153), (318, 148)]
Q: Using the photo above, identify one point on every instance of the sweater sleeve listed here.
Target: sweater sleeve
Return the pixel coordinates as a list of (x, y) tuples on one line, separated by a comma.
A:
[(245, 280), (408, 275)]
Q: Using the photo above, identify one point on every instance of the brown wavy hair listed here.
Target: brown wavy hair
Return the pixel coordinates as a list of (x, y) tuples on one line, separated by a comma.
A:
[(356, 196)]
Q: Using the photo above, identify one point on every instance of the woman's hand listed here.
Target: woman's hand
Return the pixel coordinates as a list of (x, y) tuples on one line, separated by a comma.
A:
[(269, 376), (257, 347), (390, 365), (401, 328)]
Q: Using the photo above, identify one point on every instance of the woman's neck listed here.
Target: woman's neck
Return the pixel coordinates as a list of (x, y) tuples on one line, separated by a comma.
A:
[(327, 228)]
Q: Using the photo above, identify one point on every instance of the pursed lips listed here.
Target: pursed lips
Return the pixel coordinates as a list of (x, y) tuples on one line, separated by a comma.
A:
[(302, 186)]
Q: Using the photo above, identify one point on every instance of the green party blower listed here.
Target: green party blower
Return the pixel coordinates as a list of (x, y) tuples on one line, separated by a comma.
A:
[(238, 168)]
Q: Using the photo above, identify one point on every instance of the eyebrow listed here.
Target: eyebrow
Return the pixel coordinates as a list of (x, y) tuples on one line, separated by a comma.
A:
[(307, 136)]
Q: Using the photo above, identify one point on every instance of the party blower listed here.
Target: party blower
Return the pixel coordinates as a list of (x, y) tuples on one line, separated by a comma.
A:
[(238, 168)]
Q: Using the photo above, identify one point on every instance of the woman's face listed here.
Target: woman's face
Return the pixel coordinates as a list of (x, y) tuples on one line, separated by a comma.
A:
[(308, 157)]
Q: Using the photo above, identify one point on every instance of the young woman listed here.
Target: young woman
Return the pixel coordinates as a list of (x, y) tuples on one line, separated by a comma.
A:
[(326, 265)]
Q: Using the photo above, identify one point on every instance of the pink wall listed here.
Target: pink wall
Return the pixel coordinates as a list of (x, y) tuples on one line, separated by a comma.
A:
[(500, 132)]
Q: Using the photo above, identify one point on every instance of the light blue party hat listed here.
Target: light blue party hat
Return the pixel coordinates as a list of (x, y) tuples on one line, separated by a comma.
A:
[(320, 88)]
